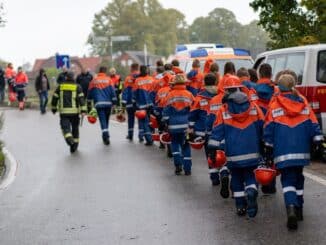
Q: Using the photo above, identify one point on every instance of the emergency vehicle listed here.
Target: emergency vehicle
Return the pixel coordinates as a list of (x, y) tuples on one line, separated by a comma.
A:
[(186, 53), (309, 63)]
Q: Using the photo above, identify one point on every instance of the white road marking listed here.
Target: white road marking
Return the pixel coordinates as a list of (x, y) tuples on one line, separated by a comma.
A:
[(11, 169), (315, 178)]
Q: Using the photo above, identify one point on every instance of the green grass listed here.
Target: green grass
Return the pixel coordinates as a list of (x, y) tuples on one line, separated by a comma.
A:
[(2, 162)]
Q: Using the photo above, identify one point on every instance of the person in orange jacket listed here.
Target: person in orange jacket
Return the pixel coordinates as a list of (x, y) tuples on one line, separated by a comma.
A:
[(10, 75), (229, 70), (175, 67), (21, 81), (142, 95), (238, 131), (115, 80), (127, 99), (266, 90), (175, 115), (199, 118), (195, 78), (164, 88), (290, 127)]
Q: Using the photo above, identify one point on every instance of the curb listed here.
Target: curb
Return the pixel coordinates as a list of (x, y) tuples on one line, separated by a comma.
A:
[(11, 166)]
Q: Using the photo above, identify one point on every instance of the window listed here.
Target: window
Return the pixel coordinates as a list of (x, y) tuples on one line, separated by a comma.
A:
[(279, 64), (321, 67), (295, 62)]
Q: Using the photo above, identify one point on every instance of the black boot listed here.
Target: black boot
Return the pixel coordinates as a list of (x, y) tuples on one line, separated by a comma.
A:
[(299, 213), (129, 138), (252, 208), (73, 148), (225, 193), (241, 211), (292, 222), (169, 152), (106, 141), (178, 170), (162, 146)]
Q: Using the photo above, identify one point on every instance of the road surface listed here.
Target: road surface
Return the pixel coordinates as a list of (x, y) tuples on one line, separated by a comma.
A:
[(128, 194)]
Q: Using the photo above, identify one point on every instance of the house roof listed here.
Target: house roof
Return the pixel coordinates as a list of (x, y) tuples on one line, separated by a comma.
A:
[(139, 57), (88, 62)]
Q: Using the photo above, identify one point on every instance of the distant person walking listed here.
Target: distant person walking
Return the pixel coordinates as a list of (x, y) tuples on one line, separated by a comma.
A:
[(62, 77), (21, 81), (2, 85), (42, 86), (83, 79)]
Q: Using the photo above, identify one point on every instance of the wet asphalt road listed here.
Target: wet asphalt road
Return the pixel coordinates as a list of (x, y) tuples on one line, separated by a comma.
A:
[(127, 194)]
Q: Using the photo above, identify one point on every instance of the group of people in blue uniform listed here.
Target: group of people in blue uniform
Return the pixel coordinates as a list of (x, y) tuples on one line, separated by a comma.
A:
[(248, 123)]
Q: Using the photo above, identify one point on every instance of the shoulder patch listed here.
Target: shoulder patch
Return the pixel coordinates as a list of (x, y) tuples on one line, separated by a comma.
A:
[(226, 115), (253, 111), (278, 112), (215, 107), (305, 111), (203, 103)]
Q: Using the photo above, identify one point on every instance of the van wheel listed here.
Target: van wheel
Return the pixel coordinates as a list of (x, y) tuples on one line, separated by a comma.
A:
[(323, 154)]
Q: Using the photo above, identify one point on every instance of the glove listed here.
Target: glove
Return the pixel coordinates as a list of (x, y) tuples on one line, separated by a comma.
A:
[(54, 111)]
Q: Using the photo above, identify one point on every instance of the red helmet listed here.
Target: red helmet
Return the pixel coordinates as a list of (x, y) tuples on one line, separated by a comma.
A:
[(232, 82), (120, 117), (265, 175), (197, 143), (153, 121), (165, 138), (91, 119), (220, 160), (156, 137), (140, 114)]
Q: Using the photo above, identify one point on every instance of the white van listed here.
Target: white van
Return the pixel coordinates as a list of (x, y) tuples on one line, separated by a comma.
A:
[(309, 63)]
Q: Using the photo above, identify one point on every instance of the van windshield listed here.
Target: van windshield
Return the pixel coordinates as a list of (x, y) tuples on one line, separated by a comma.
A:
[(321, 67)]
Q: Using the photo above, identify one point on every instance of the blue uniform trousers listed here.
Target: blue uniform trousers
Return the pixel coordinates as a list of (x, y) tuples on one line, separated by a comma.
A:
[(181, 151), (292, 180)]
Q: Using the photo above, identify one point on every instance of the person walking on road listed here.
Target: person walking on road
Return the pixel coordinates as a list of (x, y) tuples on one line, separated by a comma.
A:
[(21, 81), (127, 98), (69, 100), (2, 85), (101, 93), (290, 127), (42, 86), (175, 114), (62, 77), (142, 95), (83, 79), (10, 75), (238, 130)]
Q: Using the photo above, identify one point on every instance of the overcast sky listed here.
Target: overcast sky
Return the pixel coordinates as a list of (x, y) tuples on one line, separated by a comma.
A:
[(40, 28)]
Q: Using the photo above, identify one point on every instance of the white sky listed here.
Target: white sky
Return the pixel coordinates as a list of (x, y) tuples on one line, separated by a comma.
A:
[(40, 28)]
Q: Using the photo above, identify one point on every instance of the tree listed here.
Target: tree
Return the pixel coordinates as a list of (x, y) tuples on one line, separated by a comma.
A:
[(286, 21), (221, 26), (145, 21), (317, 9), (2, 20)]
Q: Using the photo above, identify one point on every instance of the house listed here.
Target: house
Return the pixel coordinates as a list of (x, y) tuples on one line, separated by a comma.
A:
[(129, 57), (91, 63)]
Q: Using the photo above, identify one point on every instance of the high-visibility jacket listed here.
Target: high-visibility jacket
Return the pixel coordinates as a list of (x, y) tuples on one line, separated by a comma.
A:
[(160, 100), (195, 81), (290, 127), (143, 92), (176, 111), (101, 92), (265, 90), (21, 80), (221, 84), (115, 80), (239, 133), (214, 106), (128, 87), (177, 70), (198, 117), (68, 99), (10, 73)]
